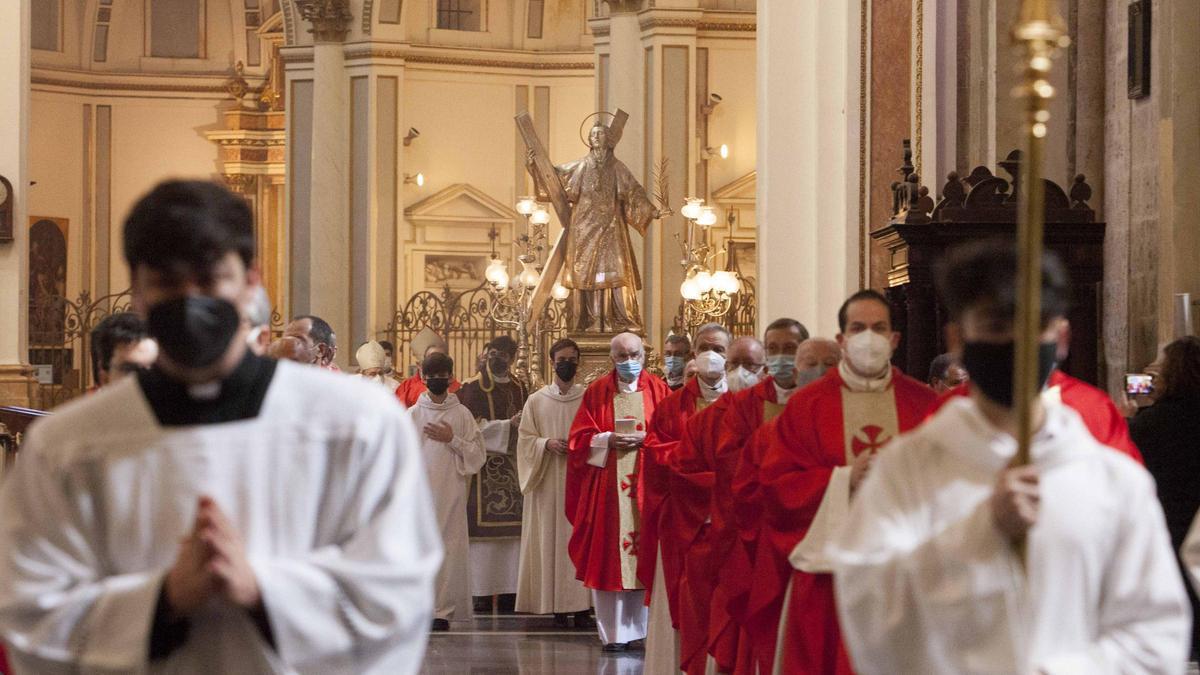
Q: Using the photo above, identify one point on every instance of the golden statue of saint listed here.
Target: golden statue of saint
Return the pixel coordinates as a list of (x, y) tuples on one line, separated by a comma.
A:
[(599, 267)]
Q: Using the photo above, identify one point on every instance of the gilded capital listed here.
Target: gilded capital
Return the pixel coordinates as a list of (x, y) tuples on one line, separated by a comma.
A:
[(330, 19)]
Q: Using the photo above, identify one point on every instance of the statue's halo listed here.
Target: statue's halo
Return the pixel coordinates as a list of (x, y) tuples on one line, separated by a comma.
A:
[(583, 125)]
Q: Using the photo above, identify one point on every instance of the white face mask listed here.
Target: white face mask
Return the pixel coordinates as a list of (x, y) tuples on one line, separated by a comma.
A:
[(740, 378), (869, 352), (710, 364)]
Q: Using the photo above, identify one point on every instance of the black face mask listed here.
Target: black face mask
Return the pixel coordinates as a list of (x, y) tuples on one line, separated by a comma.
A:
[(195, 330), (991, 368), (565, 370), (437, 385), (498, 365)]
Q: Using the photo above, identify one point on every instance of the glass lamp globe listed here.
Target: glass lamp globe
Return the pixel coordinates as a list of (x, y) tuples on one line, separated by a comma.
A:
[(707, 217), (689, 289), (724, 151), (704, 281), (560, 292), (540, 216), (691, 208), (496, 270), (529, 276), (526, 205), (726, 281)]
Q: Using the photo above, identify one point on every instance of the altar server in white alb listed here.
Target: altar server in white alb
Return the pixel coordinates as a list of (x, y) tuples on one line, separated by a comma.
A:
[(453, 449), (928, 575), (220, 513), (546, 582)]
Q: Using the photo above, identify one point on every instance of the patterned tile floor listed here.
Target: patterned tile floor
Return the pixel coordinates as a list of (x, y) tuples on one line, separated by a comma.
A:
[(527, 645)]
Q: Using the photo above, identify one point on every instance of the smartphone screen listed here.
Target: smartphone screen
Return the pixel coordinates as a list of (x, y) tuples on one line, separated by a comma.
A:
[(1138, 384)]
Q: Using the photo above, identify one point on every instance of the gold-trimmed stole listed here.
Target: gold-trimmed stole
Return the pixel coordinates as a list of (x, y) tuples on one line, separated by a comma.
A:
[(629, 405)]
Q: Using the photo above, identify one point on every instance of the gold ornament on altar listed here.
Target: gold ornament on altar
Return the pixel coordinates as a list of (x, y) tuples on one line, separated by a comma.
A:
[(597, 200)]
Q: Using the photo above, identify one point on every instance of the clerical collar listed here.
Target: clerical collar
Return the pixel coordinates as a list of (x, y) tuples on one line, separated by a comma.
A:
[(239, 396), (627, 387), (858, 383), (675, 382), (711, 393), (782, 394)]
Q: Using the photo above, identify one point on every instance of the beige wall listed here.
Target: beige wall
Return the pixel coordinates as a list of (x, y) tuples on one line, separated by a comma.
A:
[(152, 139)]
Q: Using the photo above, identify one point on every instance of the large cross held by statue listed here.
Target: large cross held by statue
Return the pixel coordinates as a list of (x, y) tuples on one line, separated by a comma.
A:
[(547, 176)]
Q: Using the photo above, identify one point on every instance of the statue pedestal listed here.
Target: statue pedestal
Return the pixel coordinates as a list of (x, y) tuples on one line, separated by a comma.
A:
[(595, 356)]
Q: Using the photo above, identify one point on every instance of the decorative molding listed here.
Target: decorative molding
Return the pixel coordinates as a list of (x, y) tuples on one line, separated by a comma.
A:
[(368, 13), (367, 51), (289, 22), (426, 210), (864, 123), (109, 85), (600, 28), (330, 19), (918, 130), (652, 21), (725, 26), (736, 190)]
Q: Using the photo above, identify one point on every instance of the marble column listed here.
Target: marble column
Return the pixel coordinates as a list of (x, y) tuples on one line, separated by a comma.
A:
[(809, 245), (16, 384)]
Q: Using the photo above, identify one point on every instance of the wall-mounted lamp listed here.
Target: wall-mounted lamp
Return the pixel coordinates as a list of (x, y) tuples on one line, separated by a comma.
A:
[(411, 136), (418, 180), (722, 152)]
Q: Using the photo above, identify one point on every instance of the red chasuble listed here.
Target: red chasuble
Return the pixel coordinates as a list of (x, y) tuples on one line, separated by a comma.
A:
[(602, 503), (411, 389), (692, 468), (727, 564), (825, 426), (1099, 413), (673, 504)]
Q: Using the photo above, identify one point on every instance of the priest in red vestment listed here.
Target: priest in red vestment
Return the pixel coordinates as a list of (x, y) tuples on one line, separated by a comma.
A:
[(602, 502), (694, 458), (1100, 415), (723, 572), (411, 389), (825, 441), (666, 498)]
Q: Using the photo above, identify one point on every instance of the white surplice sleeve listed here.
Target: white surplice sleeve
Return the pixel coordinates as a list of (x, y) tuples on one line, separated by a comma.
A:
[(1144, 611), (495, 435), (894, 577), (810, 554), (58, 609), (1190, 553), (531, 447), (467, 445), (347, 605)]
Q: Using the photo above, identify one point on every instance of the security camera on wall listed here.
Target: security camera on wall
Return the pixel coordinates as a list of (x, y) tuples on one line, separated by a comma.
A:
[(713, 101)]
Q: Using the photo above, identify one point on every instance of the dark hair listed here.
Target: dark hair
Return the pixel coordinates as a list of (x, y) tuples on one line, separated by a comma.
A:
[(115, 330), (1181, 368), (940, 367), (387, 346), (437, 363), (564, 343), (784, 323), (983, 275), (503, 343), (184, 228), (679, 338), (321, 332), (865, 294)]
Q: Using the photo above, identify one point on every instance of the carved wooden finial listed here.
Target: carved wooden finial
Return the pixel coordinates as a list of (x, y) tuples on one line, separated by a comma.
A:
[(1081, 192)]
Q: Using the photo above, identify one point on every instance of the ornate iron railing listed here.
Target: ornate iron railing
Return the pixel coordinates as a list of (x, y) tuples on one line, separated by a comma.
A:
[(465, 320), (60, 338)]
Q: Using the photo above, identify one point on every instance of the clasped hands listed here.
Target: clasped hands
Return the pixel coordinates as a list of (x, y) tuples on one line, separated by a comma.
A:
[(626, 442), (211, 563)]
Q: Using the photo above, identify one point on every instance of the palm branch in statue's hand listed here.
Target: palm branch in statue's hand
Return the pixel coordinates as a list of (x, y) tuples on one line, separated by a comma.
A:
[(662, 190)]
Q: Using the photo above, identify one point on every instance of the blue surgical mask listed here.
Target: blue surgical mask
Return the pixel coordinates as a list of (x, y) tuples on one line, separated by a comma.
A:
[(809, 375), (629, 370), (781, 366), (675, 365)]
